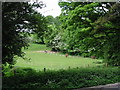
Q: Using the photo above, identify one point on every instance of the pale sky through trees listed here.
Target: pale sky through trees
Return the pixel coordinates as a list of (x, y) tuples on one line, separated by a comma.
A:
[(52, 8)]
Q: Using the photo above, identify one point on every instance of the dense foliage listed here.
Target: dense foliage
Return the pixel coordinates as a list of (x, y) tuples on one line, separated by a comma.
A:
[(40, 28), (88, 29), (108, 28), (83, 28), (52, 34), (18, 20), (73, 78)]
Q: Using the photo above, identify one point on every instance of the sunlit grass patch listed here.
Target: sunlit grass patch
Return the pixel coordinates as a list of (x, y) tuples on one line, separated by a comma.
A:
[(53, 61)]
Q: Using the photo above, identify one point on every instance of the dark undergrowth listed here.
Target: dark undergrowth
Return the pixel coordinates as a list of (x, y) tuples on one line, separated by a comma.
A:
[(72, 78)]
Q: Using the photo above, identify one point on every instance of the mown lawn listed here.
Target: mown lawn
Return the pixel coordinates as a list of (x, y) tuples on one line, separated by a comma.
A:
[(53, 61), (36, 47)]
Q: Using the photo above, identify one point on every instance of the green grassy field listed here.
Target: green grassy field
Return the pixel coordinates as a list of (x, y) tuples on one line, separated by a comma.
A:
[(37, 47), (53, 61)]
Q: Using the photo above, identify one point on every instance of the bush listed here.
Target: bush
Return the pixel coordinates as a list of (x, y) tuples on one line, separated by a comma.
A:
[(112, 52), (72, 78)]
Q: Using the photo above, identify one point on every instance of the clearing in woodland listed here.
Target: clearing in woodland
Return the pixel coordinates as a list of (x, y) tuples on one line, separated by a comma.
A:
[(42, 57)]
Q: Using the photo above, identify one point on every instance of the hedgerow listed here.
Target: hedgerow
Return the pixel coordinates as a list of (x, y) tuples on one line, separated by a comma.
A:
[(72, 78)]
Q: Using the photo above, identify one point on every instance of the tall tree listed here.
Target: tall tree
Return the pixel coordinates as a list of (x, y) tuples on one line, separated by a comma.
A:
[(109, 26), (92, 29), (18, 22), (40, 27), (78, 25), (52, 34)]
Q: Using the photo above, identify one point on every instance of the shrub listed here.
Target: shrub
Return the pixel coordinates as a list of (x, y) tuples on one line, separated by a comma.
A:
[(72, 78)]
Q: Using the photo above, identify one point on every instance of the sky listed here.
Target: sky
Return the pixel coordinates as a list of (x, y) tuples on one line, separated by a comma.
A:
[(52, 8)]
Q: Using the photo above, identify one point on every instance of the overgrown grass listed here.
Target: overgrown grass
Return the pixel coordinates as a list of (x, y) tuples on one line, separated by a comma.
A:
[(72, 78), (53, 61)]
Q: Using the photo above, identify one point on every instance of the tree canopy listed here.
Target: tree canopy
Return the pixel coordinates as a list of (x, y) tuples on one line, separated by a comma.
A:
[(18, 22), (83, 28), (90, 29)]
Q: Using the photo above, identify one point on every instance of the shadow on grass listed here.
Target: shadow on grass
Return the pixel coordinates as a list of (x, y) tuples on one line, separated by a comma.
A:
[(72, 78)]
